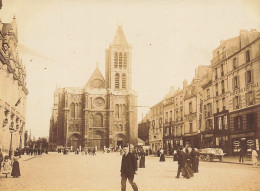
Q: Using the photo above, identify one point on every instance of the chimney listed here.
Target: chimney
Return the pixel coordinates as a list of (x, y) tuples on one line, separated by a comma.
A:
[(185, 84)]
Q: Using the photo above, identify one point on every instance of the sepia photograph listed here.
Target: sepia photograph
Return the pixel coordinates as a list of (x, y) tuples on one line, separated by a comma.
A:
[(142, 95)]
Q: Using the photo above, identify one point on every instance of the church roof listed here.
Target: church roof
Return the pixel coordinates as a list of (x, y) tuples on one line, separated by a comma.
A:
[(96, 80), (119, 36)]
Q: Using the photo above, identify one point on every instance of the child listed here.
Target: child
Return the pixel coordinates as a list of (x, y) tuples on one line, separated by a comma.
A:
[(7, 167)]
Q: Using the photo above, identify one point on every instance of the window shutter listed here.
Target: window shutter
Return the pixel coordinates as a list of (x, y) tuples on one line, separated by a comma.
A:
[(245, 78), (238, 81), (240, 102), (234, 106), (247, 99)]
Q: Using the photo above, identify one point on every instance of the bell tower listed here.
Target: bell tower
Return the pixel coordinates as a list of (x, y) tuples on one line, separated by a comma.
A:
[(118, 63)]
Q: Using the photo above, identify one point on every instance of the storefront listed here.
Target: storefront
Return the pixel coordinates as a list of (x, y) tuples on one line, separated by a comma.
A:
[(245, 140), (207, 140), (177, 142), (191, 141)]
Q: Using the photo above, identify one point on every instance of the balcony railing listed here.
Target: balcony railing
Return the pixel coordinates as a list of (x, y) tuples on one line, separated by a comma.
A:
[(218, 58)]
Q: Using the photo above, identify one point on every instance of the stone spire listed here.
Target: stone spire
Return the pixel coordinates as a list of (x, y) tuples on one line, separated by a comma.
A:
[(119, 38)]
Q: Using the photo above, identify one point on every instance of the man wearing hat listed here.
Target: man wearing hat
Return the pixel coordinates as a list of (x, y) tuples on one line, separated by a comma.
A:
[(128, 169)]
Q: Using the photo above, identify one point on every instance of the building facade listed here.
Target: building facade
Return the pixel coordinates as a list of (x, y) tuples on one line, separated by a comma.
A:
[(143, 128), (13, 90), (236, 65), (103, 112), (156, 128)]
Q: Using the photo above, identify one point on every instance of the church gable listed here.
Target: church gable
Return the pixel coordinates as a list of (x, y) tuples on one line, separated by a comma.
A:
[(96, 80)]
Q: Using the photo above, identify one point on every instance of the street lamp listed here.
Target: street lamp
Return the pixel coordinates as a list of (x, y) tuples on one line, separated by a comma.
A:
[(12, 130)]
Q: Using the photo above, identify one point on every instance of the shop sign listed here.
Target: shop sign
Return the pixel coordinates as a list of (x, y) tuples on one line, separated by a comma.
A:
[(181, 142), (248, 87), (242, 135), (208, 135)]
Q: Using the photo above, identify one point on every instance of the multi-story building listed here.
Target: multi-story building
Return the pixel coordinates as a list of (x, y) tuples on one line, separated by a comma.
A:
[(156, 128), (103, 112), (143, 128), (13, 90), (168, 125), (235, 66), (207, 133), (193, 108)]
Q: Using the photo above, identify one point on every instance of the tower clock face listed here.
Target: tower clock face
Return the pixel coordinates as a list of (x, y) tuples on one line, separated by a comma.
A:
[(99, 102), (97, 84)]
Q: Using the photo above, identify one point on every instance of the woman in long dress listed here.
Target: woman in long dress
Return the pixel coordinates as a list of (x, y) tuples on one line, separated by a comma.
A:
[(7, 167), (142, 159), (16, 167), (254, 158), (162, 157)]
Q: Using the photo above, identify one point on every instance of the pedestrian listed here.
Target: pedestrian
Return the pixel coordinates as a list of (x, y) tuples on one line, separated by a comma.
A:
[(128, 169), (7, 167), (194, 160), (142, 159), (188, 162), (1, 158), (182, 164), (16, 168), (241, 155), (162, 157), (254, 158)]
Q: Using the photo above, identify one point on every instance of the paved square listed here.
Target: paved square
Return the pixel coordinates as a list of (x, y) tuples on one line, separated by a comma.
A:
[(58, 172)]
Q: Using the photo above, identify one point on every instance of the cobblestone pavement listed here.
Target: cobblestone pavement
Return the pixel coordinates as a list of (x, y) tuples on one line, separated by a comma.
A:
[(56, 172)]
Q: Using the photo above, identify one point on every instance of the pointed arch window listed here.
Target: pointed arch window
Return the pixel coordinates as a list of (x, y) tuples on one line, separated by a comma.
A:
[(98, 120), (117, 81), (116, 60), (120, 128), (125, 61), (117, 110), (120, 59), (123, 81), (79, 110), (72, 110), (124, 111)]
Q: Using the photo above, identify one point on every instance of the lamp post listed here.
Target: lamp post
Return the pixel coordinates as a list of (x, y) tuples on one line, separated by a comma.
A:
[(12, 130)]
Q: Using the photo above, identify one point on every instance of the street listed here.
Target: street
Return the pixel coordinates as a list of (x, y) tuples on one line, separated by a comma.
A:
[(55, 172)]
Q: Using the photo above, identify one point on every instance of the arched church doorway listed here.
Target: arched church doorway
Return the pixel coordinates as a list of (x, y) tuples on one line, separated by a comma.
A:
[(120, 140), (97, 140), (74, 141)]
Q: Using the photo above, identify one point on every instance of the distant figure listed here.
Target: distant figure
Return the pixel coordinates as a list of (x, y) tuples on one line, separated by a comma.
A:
[(128, 169), (7, 167), (142, 159), (1, 158), (254, 158), (241, 155), (162, 157), (16, 168), (182, 166)]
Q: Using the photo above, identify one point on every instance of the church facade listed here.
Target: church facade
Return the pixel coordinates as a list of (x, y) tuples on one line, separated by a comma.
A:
[(103, 112)]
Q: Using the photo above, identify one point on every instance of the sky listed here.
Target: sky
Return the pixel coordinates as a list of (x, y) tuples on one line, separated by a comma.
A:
[(60, 42)]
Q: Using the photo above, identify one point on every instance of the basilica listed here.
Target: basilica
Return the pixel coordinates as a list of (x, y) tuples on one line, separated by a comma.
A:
[(103, 112)]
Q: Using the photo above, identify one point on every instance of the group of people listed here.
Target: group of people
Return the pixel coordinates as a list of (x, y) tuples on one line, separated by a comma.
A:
[(188, 162), (10, 165)]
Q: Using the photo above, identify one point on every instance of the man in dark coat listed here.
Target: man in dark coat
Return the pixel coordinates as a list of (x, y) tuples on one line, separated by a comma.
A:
[(182, 163), (128, 168)]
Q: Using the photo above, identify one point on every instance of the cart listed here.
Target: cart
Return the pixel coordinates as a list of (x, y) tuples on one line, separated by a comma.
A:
[(209, 154)]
